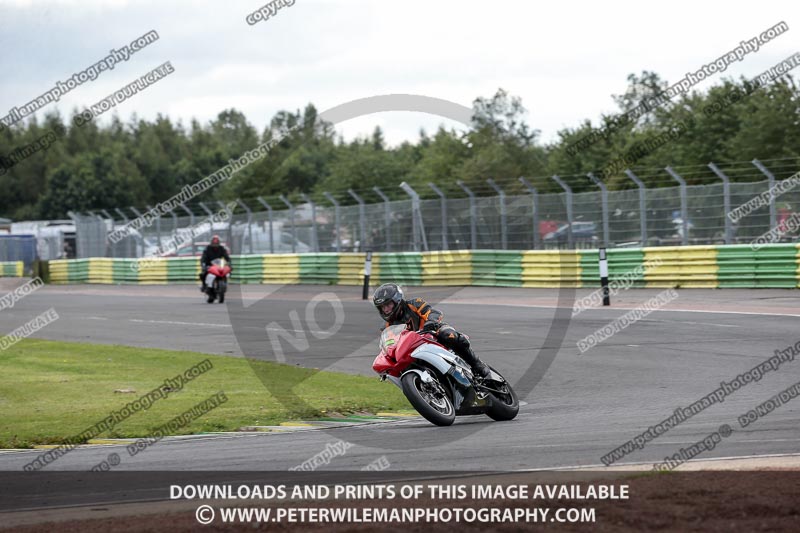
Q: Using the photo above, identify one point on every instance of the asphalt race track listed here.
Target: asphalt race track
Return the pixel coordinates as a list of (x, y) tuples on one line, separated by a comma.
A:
[(583, 406)]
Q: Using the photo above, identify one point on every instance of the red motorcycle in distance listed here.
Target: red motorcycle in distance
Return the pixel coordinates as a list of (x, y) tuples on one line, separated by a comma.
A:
[(438, 383), (216, 280)]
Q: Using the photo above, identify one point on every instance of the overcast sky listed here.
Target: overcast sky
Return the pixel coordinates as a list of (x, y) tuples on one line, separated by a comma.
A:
[(564, 59)]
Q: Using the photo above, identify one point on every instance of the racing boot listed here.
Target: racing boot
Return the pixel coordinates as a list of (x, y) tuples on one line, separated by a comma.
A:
[(479, 368)]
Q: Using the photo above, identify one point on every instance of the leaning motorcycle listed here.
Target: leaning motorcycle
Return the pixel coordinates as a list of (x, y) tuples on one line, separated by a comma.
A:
[(216, 280), (438, 383)]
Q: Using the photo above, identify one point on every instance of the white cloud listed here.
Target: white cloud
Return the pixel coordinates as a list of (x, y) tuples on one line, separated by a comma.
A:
[(564, 59)]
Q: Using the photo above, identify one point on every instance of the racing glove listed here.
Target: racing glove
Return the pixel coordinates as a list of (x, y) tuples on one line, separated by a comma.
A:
[(430, 327)]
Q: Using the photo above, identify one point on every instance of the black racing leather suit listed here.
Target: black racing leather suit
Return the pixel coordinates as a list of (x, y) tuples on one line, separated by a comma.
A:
[(417, 315)]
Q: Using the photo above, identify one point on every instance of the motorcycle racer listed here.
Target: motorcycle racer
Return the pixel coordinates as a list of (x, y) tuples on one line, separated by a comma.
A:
[(418, 315), (214, 250)]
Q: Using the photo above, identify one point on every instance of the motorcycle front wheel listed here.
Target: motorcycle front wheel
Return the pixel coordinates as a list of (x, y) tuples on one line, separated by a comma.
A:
[(223, 287), (429, 399)]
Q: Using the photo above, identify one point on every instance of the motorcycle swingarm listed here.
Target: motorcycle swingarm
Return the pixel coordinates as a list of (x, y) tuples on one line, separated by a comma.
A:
[(487, 389)]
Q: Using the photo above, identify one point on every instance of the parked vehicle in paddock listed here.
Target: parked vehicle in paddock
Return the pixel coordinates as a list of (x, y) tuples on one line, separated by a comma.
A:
[(581, 232), (216, 280), (438, 383)]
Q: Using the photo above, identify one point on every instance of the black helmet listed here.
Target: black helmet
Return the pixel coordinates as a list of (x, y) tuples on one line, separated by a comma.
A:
[(388, 292)]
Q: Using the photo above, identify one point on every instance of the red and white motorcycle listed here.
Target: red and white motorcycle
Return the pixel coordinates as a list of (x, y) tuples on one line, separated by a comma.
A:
[(216, 280), (438, 383)]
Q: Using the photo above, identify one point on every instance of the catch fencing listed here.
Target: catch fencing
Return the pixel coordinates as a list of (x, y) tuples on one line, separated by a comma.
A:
[(514, 215)]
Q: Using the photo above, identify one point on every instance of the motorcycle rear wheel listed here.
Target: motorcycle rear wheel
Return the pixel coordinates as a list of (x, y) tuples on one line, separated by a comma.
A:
[(430, 400), (504, 406)]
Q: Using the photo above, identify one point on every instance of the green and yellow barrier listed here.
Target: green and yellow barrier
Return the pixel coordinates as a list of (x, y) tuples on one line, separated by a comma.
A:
[(318, 268), (11, 269), (551, 268), (401, 267), (281, 269), (350, 269), (622, 262), (447, 268), (772, 266), (496, 268), (683, 266)]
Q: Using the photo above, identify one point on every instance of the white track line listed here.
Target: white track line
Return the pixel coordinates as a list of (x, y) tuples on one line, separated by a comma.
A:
[(650, 463), (673, 310), (691, 323)]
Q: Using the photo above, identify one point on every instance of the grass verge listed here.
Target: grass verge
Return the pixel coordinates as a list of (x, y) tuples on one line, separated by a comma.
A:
[(50, 391)]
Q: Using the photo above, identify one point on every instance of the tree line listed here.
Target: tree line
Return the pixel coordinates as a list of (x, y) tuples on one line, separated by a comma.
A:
[(49, 166)]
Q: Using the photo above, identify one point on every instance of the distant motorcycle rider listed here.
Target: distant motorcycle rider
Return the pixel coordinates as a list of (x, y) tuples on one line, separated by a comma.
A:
[(418, 315), (214, 250)]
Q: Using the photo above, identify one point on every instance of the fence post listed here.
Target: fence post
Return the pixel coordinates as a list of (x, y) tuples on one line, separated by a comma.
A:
[(773, 215), (726, 201), (78, 240), (642, 204), (125, 221), (141, 233), (158, 227), (604, 206), (210, 214), (314, 238), (387, 214), (443, 209), (291, 216), (109, 217), (568, 191), (206, 209), (684, 204), (416, 218), (210, 217), (473, 214), (102, 224), (535, 195), (503, 215), (336, 206), (224, 207), (362, 222), (191, 223), (269, 216), (249, 222), (174, 228)]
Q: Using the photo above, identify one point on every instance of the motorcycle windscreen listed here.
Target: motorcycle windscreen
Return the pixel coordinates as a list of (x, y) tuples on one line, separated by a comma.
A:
[(401, 352), (385, 361)]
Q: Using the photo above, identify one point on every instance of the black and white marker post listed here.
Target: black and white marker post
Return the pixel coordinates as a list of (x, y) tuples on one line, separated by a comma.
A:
[(604, 276), (367, 271)]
